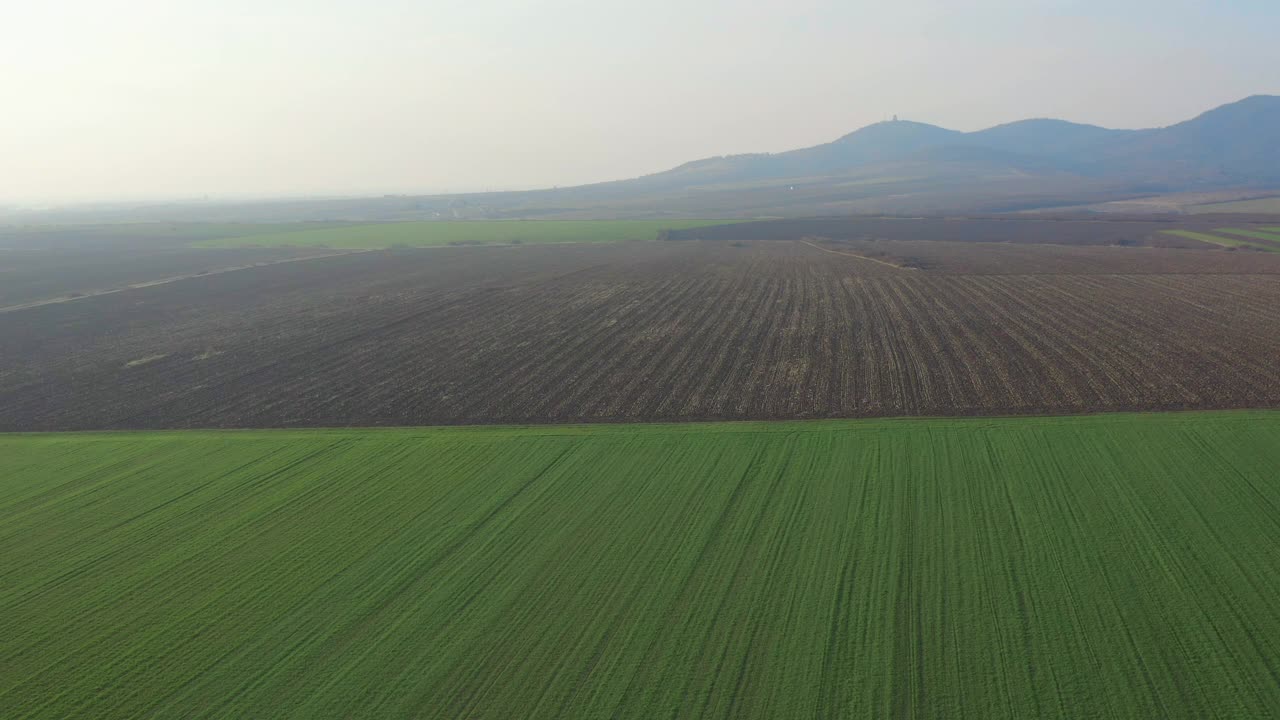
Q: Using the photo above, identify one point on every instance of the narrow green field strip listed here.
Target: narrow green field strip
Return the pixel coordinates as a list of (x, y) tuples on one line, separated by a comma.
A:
[(1219, 240), (442, 233), (1272, 238), (1108, 566)]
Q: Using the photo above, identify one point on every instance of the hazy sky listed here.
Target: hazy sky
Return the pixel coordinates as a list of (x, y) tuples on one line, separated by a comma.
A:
[(116, 99)]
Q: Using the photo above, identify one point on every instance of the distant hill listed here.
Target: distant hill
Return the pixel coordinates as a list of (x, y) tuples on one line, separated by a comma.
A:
[(1234, 144), (904, 166), (888, 167), (1237, 143), (1044, 137)]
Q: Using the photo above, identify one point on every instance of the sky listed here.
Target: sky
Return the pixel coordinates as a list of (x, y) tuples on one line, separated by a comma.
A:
[(162, 99)]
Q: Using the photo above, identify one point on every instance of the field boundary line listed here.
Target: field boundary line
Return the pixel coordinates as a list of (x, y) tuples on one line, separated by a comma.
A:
[(872, 423), (167, 280), (860, 257)]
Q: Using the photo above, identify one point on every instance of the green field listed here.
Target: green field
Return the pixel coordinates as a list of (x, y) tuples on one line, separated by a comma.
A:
[(1122, 566), (1271, 237), (1223, 241), (429, 234)]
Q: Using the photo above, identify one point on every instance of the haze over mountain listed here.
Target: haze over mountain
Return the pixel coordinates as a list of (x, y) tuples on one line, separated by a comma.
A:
[(908, 166), (894, 166), (1233, 144)]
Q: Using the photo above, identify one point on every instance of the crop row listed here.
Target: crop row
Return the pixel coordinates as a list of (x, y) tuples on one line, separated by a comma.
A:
[(1103, 567), (972, 258), (663, 331)]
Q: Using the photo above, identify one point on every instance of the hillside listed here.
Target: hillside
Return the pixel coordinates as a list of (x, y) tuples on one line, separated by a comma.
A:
[(1233, 144), (888, 167), (1237, 144)]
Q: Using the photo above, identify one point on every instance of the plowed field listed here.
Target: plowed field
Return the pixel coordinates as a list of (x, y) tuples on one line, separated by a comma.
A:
[(692, 330)]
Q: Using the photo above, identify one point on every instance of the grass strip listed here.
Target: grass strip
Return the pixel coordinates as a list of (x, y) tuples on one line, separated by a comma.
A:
[(1218, 240)]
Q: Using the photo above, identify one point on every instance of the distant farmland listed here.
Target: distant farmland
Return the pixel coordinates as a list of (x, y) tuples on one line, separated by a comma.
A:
[(38, 276), (1113, 567), (1234, 238), (429, 234), (1073, 230), (1269, 236), (1259, 205)]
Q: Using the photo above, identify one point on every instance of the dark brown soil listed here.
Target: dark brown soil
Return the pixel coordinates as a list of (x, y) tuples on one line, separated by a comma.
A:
[(650, 331), (28, 275), (972, 258), (1136, 231)]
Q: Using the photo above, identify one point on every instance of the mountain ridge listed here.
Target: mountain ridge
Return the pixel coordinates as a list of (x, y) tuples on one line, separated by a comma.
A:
[(1218, 146), (892, 167)]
